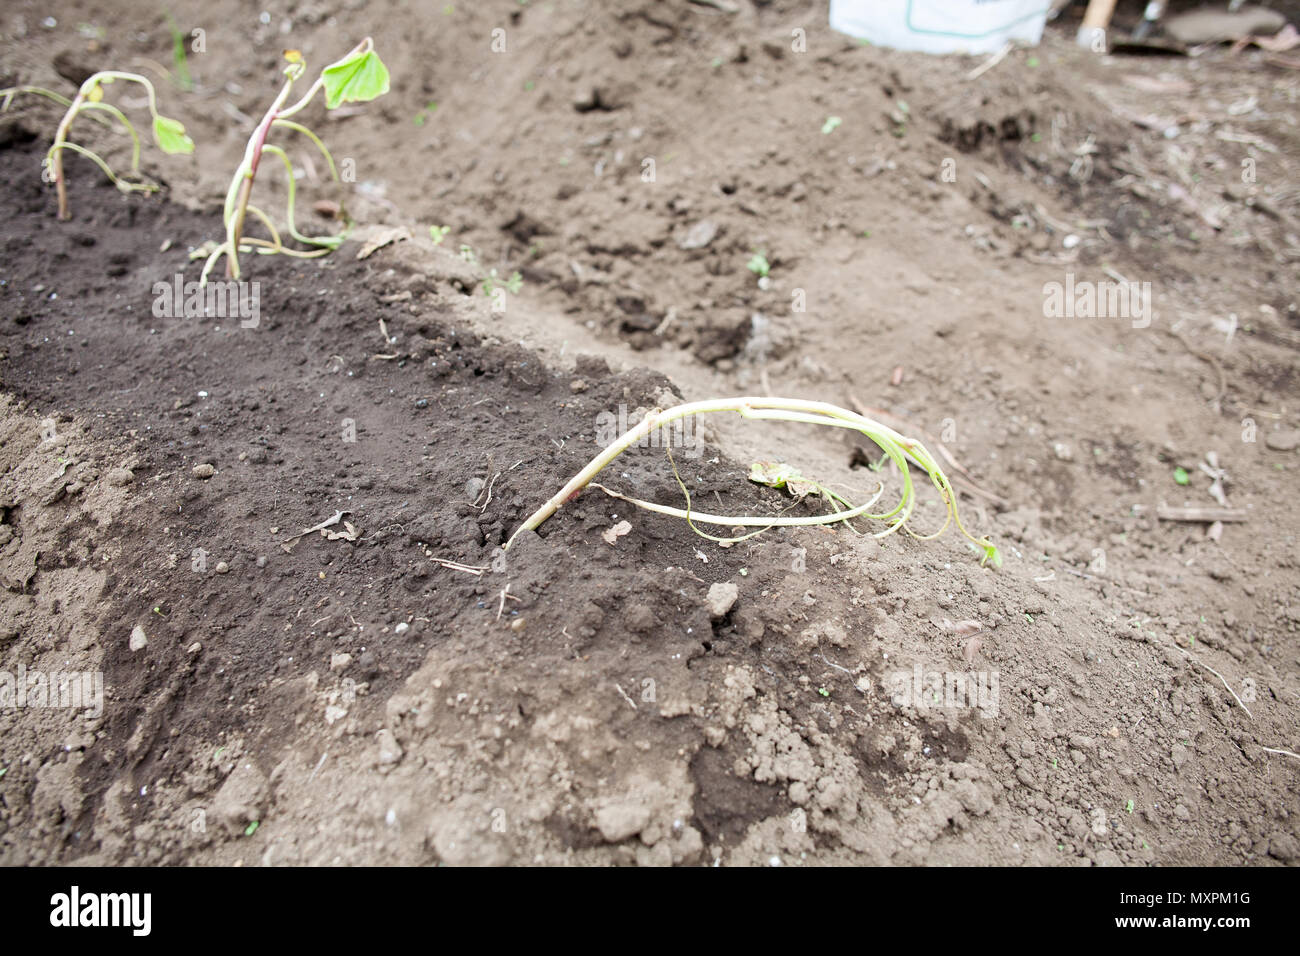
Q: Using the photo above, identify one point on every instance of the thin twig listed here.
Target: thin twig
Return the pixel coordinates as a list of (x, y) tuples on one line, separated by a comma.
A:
[(455, 566), (1225, 684), (624, 696), (1274, 750), (991, 62)]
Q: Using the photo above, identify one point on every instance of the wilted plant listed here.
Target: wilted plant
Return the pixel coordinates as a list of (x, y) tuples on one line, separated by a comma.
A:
[(897, 448), (357, 78), (167, 133)]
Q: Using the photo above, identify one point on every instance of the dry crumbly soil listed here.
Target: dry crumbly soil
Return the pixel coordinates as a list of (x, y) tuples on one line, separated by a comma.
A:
[(320, 700)]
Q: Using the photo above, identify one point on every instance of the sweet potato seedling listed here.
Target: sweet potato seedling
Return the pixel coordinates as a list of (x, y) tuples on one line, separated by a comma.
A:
[(897, 448), (357, 78), (167, 133)]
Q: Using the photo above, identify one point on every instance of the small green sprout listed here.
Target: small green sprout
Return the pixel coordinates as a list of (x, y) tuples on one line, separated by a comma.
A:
[(759, 265), (1180, 476), (1130, 806), (438, 233), (511, 285), (429, 109), (252, 828), (167, 133), (830, 125), (823, 691), (3, 771), (179, 59)]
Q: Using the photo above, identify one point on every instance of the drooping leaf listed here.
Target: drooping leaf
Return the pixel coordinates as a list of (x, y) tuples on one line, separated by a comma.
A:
[(779, 475), (356, 79), (170, 136)]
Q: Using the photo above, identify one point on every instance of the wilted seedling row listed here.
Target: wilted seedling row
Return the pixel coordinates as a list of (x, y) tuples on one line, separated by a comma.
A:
[(358, 77), (896, 447), (167, 133)]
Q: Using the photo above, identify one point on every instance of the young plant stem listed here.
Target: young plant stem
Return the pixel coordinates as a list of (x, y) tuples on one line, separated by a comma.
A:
[(241, 187), (75, 106), (248, 171), (896, 447)]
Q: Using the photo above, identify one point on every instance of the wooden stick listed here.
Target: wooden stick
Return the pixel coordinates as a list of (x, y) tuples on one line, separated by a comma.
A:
[(1206, 515), (1095, 20)]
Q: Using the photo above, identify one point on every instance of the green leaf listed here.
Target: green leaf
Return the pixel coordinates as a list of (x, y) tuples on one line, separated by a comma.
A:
[(991, 553), (777, 474), (252, 828), (1180, 476), (170, 136), (357, 79)]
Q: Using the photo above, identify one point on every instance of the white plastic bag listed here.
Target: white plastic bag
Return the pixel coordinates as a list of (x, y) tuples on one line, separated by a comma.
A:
[(941, 26)]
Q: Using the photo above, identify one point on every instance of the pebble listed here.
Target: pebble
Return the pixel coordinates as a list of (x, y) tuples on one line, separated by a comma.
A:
[(138, 639), (204, 471), (699, 235), (1283, 441), (722, 598), (223, 568), (390, 751)]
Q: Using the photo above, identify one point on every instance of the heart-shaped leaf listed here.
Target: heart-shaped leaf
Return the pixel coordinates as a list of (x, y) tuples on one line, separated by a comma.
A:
[(356, 79), (170, 136)]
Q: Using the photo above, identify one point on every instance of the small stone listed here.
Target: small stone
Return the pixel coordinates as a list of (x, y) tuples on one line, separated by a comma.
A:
[(1282, 441), (194, 648), (618, 821), (223, 568), (1099, 822), (1062, 451), (722, 598), (401, 628), (390, 751), (577, 385), (138, 641), (120, 477), (699, 235), (339, 662), (517, 624), (204, 470)]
